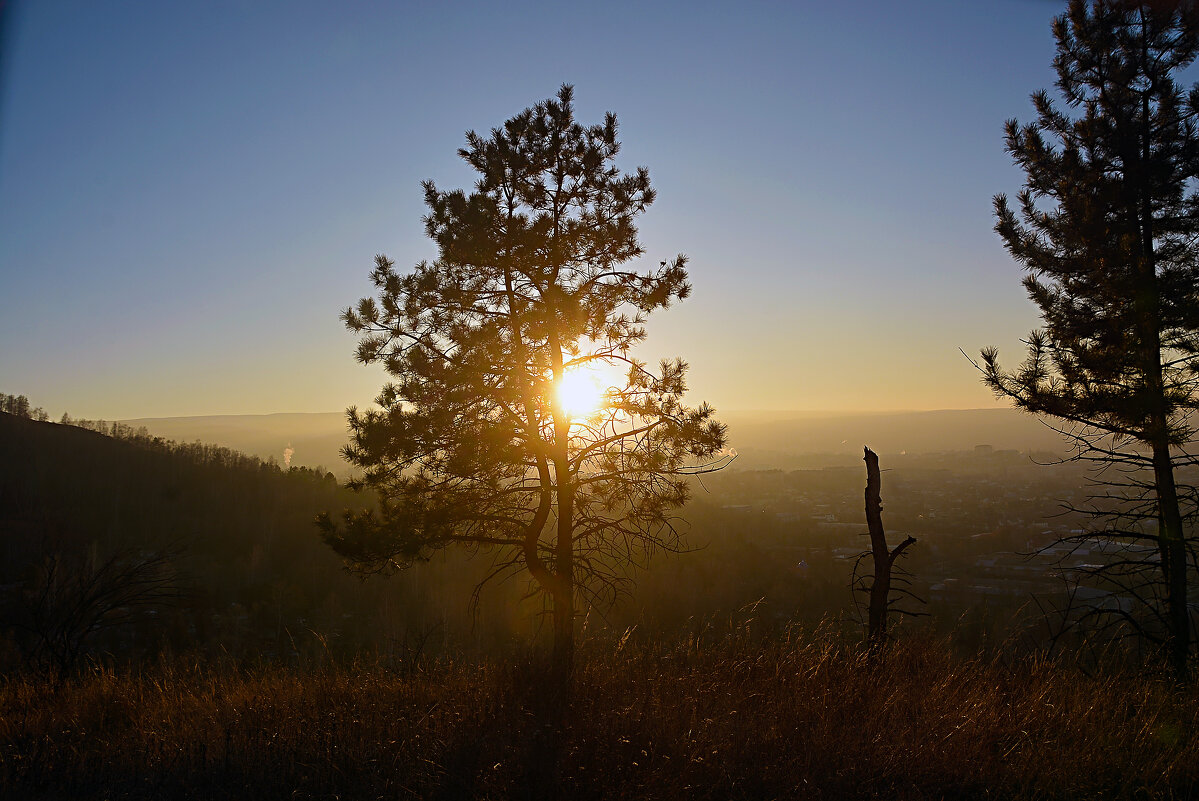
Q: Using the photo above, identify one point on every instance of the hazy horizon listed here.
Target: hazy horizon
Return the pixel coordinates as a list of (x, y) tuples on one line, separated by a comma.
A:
[(763, 440), (802, 413)]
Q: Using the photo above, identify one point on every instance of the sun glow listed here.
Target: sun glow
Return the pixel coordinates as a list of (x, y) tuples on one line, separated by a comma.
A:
[(582, 391)]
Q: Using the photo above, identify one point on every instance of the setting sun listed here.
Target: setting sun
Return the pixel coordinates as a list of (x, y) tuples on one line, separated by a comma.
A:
[(581, 391)]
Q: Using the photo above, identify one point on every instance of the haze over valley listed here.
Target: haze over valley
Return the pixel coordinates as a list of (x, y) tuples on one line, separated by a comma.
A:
[(762, 439)]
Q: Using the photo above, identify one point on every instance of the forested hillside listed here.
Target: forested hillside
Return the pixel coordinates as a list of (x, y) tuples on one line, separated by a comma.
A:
[(244, 569)]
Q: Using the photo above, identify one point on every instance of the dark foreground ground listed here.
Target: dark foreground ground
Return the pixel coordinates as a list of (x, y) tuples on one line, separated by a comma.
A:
[(803, 717)]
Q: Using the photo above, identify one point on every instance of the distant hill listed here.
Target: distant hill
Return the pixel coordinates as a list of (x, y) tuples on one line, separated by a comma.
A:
[(246, 551), (256, 577), (764, 439), (316, 438)]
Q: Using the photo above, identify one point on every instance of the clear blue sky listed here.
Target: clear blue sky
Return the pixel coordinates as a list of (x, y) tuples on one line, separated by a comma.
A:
[(191, 192)]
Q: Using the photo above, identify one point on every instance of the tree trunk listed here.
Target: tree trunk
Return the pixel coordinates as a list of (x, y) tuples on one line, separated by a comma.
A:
[(1171, 539), (564, 608), (1172, 547), (880, 588), (1170, 536), (562, 658), (883, 557)]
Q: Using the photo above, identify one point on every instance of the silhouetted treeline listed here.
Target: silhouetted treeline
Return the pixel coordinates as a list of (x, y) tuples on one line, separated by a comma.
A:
[(18, 406)]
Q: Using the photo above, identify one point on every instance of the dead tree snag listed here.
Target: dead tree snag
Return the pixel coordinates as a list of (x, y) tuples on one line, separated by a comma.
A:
[(883, 558)]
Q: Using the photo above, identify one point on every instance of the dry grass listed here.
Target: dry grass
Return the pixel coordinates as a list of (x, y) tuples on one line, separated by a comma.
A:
[(804, 717)]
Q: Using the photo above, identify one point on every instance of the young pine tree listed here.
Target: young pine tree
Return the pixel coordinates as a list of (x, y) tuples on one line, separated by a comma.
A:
[(475, 442), (1106, 228)]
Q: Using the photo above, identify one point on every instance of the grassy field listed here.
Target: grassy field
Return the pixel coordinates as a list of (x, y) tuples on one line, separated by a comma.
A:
[(801, 717)]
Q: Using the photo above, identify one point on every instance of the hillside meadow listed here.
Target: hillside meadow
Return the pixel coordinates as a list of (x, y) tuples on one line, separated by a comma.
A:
[(728, 716)]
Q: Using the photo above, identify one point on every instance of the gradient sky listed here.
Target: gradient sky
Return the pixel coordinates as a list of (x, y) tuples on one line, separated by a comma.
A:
[(191, 192)]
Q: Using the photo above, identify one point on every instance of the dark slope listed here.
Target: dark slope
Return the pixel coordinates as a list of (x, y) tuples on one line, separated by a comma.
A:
[(259, 581), (73, 483)]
